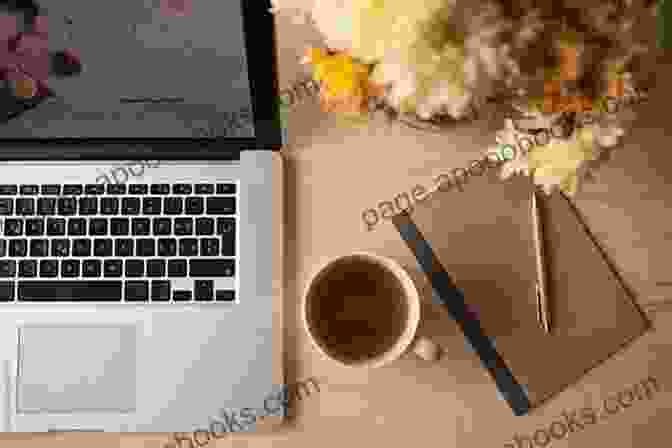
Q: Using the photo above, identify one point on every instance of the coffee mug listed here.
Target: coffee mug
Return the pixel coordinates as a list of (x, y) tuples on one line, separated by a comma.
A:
[(363, 310)]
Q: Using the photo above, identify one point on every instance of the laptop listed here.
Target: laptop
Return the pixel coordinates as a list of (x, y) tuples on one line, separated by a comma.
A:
[(140, 215)]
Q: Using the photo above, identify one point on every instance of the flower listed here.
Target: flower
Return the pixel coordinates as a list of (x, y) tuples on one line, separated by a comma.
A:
[(334, 19), (561, 162), (24, 58), (345, 82)]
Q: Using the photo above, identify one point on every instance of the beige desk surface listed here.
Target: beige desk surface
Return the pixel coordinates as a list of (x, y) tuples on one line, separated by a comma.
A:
[(332, 176)]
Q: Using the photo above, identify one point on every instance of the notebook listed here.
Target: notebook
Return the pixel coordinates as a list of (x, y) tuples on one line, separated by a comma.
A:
[(476, 248)]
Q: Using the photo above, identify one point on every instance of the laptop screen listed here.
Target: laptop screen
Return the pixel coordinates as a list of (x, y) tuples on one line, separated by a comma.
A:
[(131, 69)]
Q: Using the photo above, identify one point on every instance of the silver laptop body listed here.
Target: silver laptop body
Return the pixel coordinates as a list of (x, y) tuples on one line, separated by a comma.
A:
[(168, 363)]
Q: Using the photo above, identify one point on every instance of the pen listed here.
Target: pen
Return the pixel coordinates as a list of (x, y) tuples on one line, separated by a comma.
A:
[(543, 311)]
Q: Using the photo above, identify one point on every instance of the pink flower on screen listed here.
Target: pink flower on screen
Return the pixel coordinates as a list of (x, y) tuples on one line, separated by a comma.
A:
[(24, 54), (33, 55)]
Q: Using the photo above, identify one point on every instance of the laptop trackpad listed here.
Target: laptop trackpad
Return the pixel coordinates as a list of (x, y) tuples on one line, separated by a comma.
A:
[(76, 368)]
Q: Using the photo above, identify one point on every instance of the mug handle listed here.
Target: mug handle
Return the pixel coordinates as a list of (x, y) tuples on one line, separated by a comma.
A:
[(426, 349)]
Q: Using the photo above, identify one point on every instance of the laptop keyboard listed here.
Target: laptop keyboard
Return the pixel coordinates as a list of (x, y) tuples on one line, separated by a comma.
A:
[(167, 243)]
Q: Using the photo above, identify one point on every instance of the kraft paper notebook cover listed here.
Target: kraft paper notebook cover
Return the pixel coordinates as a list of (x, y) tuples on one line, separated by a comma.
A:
[(480, 240)]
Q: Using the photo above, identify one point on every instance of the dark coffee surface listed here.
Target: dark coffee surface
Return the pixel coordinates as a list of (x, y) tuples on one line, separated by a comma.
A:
[(358, 310)]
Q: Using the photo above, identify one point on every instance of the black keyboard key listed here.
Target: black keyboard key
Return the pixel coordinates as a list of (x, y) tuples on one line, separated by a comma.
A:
[(39, 247), (167, 247), (51, 190), (116, 188), (137, 291), (91, 268), (130, 206), (70, 268), (205, 226), (18, 248), (145, 247), (29, 190), (177, 268), (94, 189), (160, 290), (120, 226), (72, 190), (60, 247), (184, 226), (160, 189), (81, 247), (112, 268), (46, 206), (98, 227), (156, 268), (138, 189), (3, 247), (182, 189), (162, 226), (140, 226), (209, 247), (226, 188), (6, 206), (76, 227), (109, 206), (70, 290), (151, 206), (182, 296), (204, 290), (211, 268), (123, 247), (227, 228), (135, 268), (188, 247), (172, 206), (205, 189), (55, 226), (48, 268), (7, 268), (28, 268), (13, 227), (67, 206), (221, 205), (6, 291), (102, 247), (25, 206), (88, 205), (195, 206), (35, 227), (8, 190), (225, 295)]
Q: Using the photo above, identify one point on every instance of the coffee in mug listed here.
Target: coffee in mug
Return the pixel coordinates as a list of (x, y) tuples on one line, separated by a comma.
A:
[(363, 310)]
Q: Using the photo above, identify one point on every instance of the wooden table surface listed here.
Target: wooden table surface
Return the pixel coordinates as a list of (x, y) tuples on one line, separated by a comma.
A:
[(335, 174)]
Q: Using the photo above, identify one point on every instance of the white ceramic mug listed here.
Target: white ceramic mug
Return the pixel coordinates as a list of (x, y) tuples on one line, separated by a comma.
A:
[(363, 310)]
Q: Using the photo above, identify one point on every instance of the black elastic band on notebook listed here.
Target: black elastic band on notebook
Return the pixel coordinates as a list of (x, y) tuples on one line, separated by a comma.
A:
[(453, 299)]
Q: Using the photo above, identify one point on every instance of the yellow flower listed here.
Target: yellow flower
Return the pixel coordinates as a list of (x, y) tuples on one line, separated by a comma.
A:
[(559, 163), (345, 82)]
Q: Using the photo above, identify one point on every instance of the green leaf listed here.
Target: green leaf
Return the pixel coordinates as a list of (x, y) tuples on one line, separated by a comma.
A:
[(664, 23), (283, 113)]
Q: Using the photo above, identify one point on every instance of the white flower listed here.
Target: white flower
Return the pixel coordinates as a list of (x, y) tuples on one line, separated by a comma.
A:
[(519, 164), (334, 19)]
